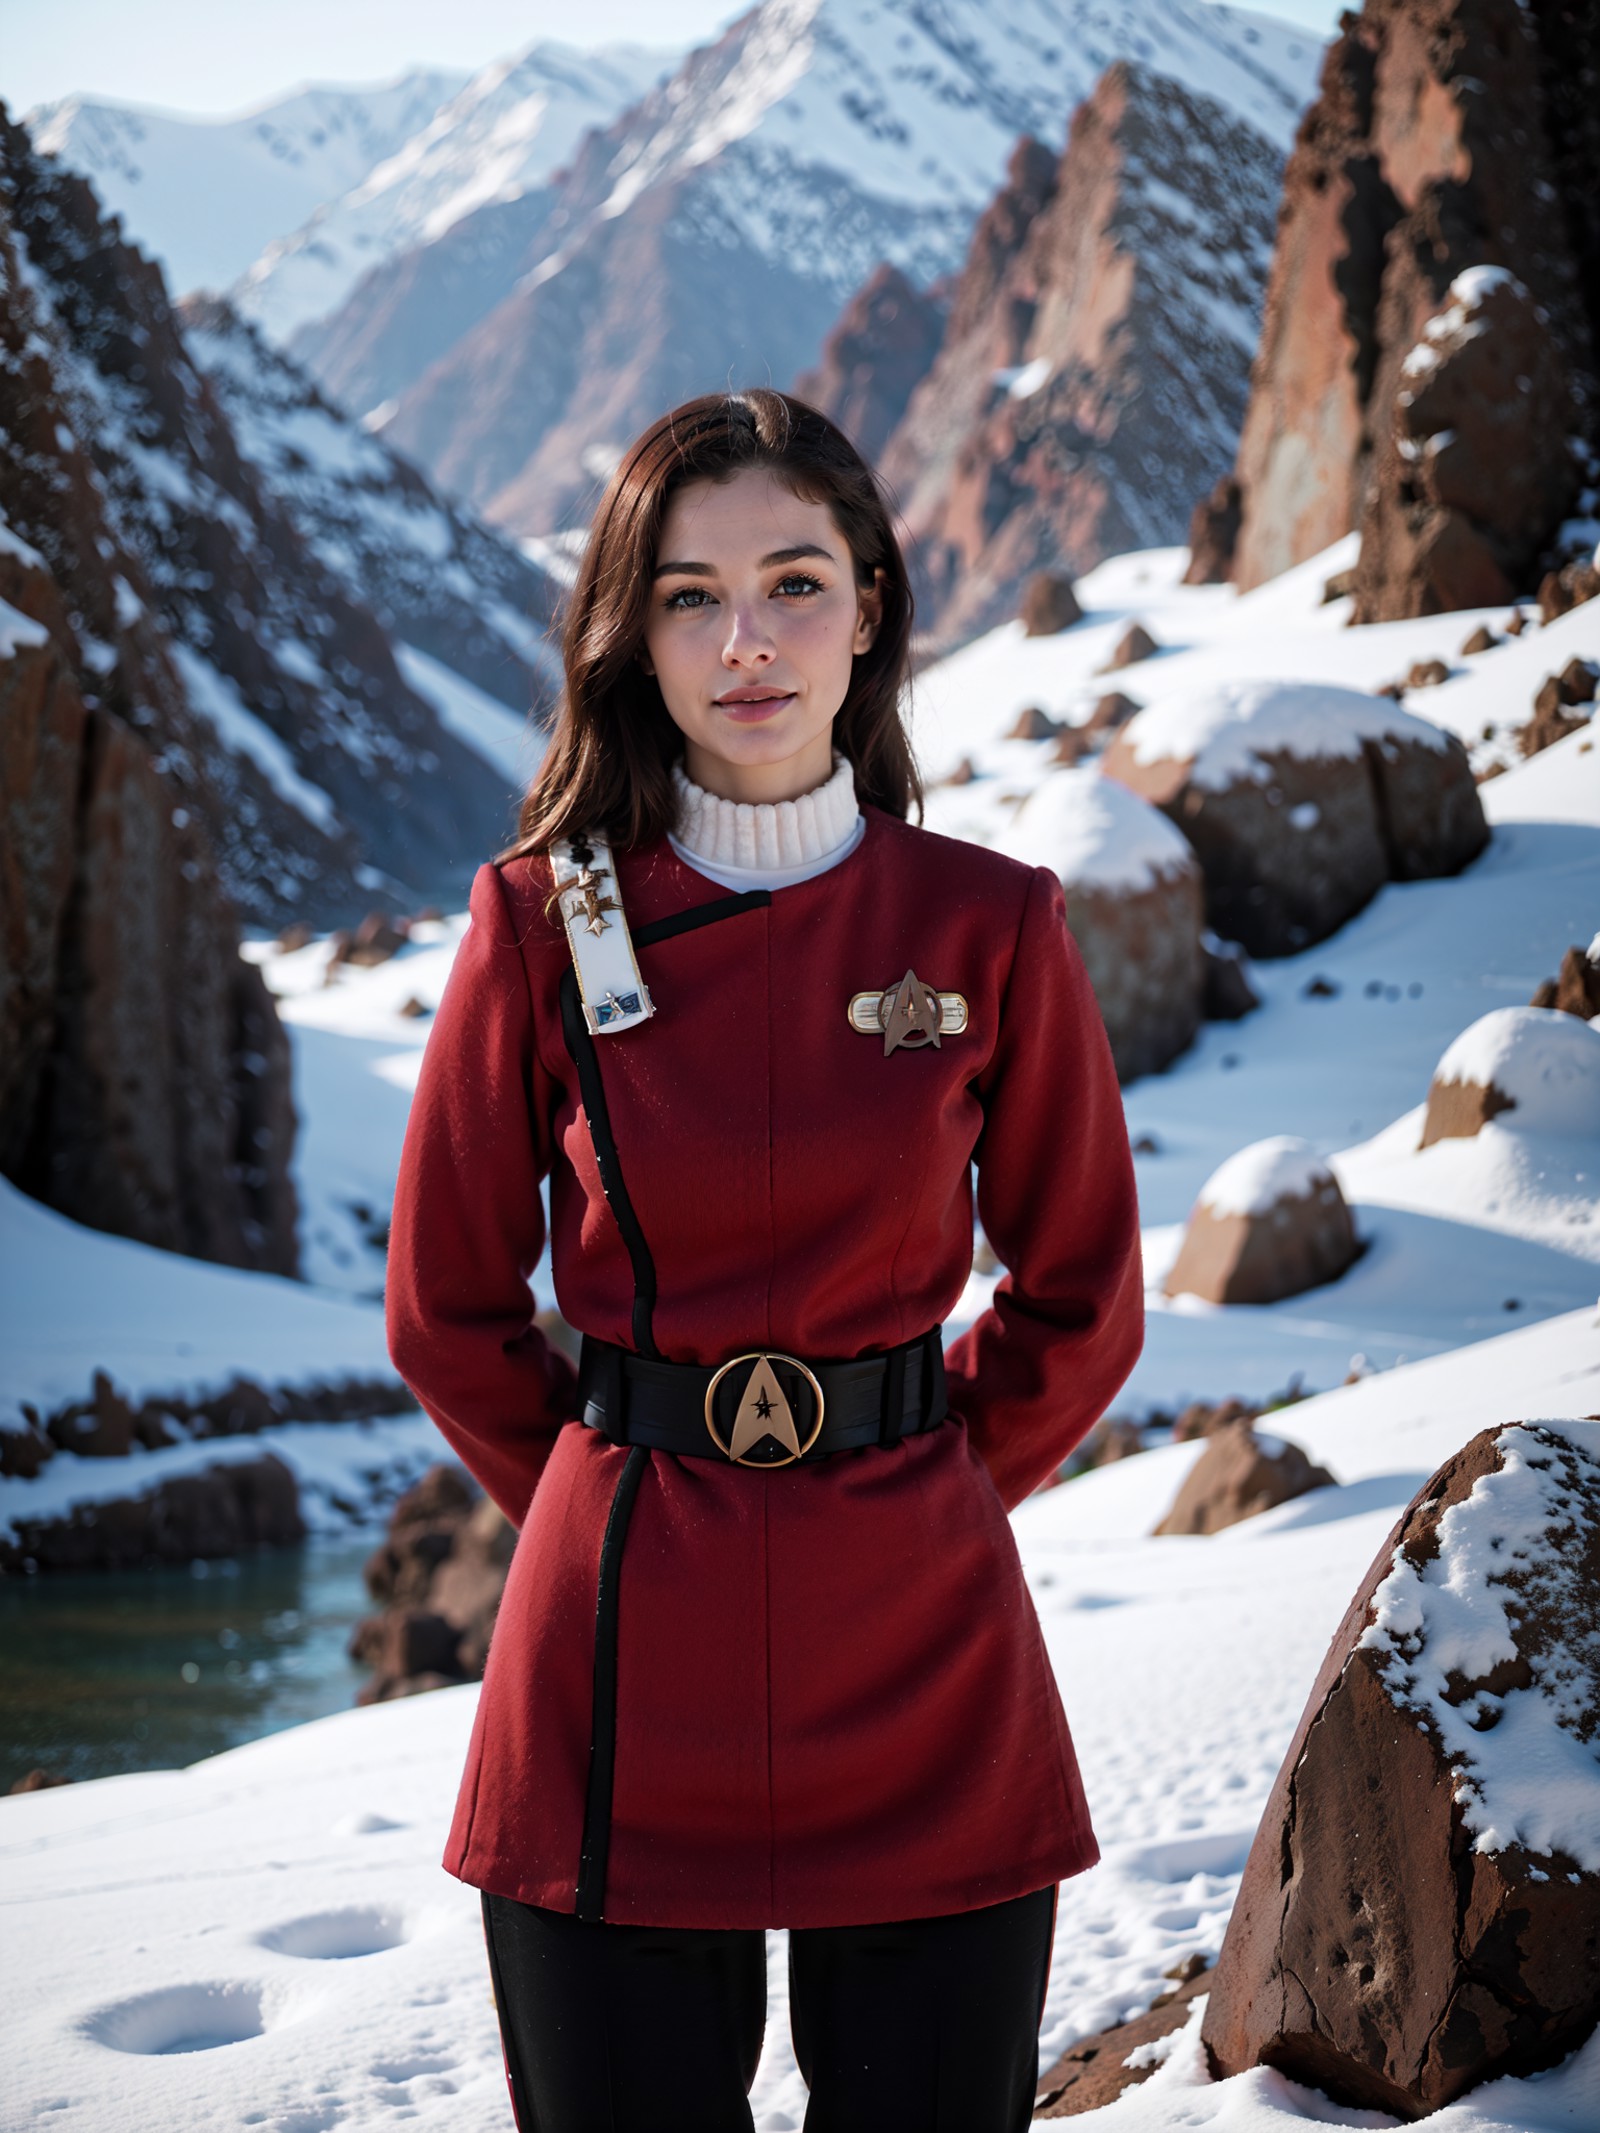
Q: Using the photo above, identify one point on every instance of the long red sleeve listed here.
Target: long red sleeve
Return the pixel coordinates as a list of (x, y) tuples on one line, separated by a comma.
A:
[(468, 1224), (1057, 1201)]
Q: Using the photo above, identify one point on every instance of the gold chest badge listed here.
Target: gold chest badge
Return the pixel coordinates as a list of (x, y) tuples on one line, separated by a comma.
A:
[(909, 1014)]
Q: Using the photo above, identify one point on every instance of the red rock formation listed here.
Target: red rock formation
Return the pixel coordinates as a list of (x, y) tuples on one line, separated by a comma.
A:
[(1406, 173), (1097, 2069), (1405, 1930), (1090, 384), (1239, 1475), (1274, 1230), (877, 353)]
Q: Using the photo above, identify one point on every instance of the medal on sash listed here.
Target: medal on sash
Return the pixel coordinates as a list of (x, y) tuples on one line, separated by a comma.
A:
[(610, 990)]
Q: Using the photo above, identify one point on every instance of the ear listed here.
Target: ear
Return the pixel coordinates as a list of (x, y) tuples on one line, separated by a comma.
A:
[(644, 659), (869, 612)]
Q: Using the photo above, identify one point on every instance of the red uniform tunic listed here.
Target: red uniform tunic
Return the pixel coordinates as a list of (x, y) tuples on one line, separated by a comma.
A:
[(833, 1701)]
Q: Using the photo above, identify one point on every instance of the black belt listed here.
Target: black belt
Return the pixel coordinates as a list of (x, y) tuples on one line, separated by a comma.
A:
[(763, 1408)]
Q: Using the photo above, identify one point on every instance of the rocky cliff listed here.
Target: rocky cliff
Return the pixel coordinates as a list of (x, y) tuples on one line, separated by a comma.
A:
[(1448, 137), (144, 1078), (1095, 370), (878, 351)]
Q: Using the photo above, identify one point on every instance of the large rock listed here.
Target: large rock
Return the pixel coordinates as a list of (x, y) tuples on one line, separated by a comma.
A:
[(1270, 1223), (1241, 1473), (1133, 903), (440, 1573), (1405, 175), (1301, 799), (1088, 392), (1421, 1909), (1476, 471), (1538, 1062), (877, 353)]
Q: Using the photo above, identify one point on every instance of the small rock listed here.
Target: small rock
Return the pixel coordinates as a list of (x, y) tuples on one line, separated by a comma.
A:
[(964, 772), (1319, 988), (375, 940), (1071, 745), (1238, 1475), (1482, 639), (1563, 590), (1134, 644), (1339, 587), (1095, 2070), (1202, 1418), (1541, 1065), (1516, 623), (1229, 995), (1577, 989), (1576, 681), (414, 1009), (1034, 724), (39, 1781), (294, 936), (1427, 674), (1114, 709), (1048, 604)]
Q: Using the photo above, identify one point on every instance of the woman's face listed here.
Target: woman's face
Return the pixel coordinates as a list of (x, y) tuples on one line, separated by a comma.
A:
[(754, 619)]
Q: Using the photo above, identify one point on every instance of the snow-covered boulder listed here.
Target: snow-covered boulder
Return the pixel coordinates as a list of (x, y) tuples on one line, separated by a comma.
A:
[(1240, 1473), (1301, 799), (1421, 1908), (1134, 906), (1537, 1063), (1271, 1222)]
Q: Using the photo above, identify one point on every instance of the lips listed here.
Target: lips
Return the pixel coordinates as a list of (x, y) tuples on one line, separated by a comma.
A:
[(747, 707), (755, 696)]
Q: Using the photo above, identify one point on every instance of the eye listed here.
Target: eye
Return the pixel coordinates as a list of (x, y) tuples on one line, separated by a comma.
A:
[(686, 598), (798, 585)]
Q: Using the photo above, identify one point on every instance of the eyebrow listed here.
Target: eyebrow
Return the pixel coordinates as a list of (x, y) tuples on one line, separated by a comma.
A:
[(796, 554)]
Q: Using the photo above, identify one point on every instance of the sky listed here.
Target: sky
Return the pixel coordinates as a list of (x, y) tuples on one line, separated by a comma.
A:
[(218, 57)]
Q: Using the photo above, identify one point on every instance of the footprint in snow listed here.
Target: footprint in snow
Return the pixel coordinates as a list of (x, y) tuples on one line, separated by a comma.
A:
[(181, 2018), (336, 1936)]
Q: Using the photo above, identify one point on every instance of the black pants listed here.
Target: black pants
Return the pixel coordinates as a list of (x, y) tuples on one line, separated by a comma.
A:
[(927, 2027)]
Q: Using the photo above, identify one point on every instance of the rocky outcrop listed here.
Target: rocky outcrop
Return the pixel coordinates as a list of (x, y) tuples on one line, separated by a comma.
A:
[(1240, 1474), (1559, 707), (1420, 1911), (1097, 2069), (1133, 904), (1405, 176), (266, 693), (1534, 1061), (878, 351), (439, 1575), (223, 1510), (1270, 1223), (1474, 471), (1214, 534), (1101, 378), (1301, 799)]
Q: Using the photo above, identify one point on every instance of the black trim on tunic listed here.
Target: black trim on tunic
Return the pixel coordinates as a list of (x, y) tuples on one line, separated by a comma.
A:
[(580, 1043)]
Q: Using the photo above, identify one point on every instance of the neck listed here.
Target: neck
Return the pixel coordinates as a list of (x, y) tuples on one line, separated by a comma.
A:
[(780, 835), (761, 784)]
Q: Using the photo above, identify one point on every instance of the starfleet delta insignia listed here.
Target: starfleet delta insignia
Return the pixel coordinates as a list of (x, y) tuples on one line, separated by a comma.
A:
[(610, 989), (909, 1014)]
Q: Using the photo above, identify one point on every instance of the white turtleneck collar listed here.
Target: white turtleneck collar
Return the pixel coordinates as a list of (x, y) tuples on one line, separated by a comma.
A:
[(770, 843)]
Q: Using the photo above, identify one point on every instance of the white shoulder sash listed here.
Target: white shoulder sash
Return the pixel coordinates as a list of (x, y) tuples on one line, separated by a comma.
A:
[(613, 994)]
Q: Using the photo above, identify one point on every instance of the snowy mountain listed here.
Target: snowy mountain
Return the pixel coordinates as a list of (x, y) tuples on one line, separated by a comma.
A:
[(205, 195), (436, 579), (324, 779), (717, 228), (505, 133)]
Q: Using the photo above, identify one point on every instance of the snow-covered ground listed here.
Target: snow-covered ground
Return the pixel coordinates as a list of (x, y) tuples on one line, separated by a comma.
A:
[(266, 1939)]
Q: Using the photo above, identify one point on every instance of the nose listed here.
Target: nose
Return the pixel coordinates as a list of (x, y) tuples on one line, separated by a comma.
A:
[(749, 639)]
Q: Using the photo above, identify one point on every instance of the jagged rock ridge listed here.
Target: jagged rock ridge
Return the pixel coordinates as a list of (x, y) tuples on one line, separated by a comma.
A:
[(1103, 374)]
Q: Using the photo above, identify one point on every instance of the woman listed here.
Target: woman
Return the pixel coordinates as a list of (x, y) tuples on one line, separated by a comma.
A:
[(765, 1656)]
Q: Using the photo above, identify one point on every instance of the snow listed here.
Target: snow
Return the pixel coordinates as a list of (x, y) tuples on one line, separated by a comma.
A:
[(1548, 1063), (1522, 1771), (1227, 731), (18, 631), (1258, 1177), (160, 1323), (507, 743), (241, 732), (280, 1911), (1094, 834)]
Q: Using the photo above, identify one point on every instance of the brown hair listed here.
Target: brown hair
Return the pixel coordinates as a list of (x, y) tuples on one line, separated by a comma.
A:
[(608, 764)]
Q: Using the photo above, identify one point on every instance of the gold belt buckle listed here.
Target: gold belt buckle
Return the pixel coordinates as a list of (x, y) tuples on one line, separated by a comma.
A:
[(763, 1411)]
